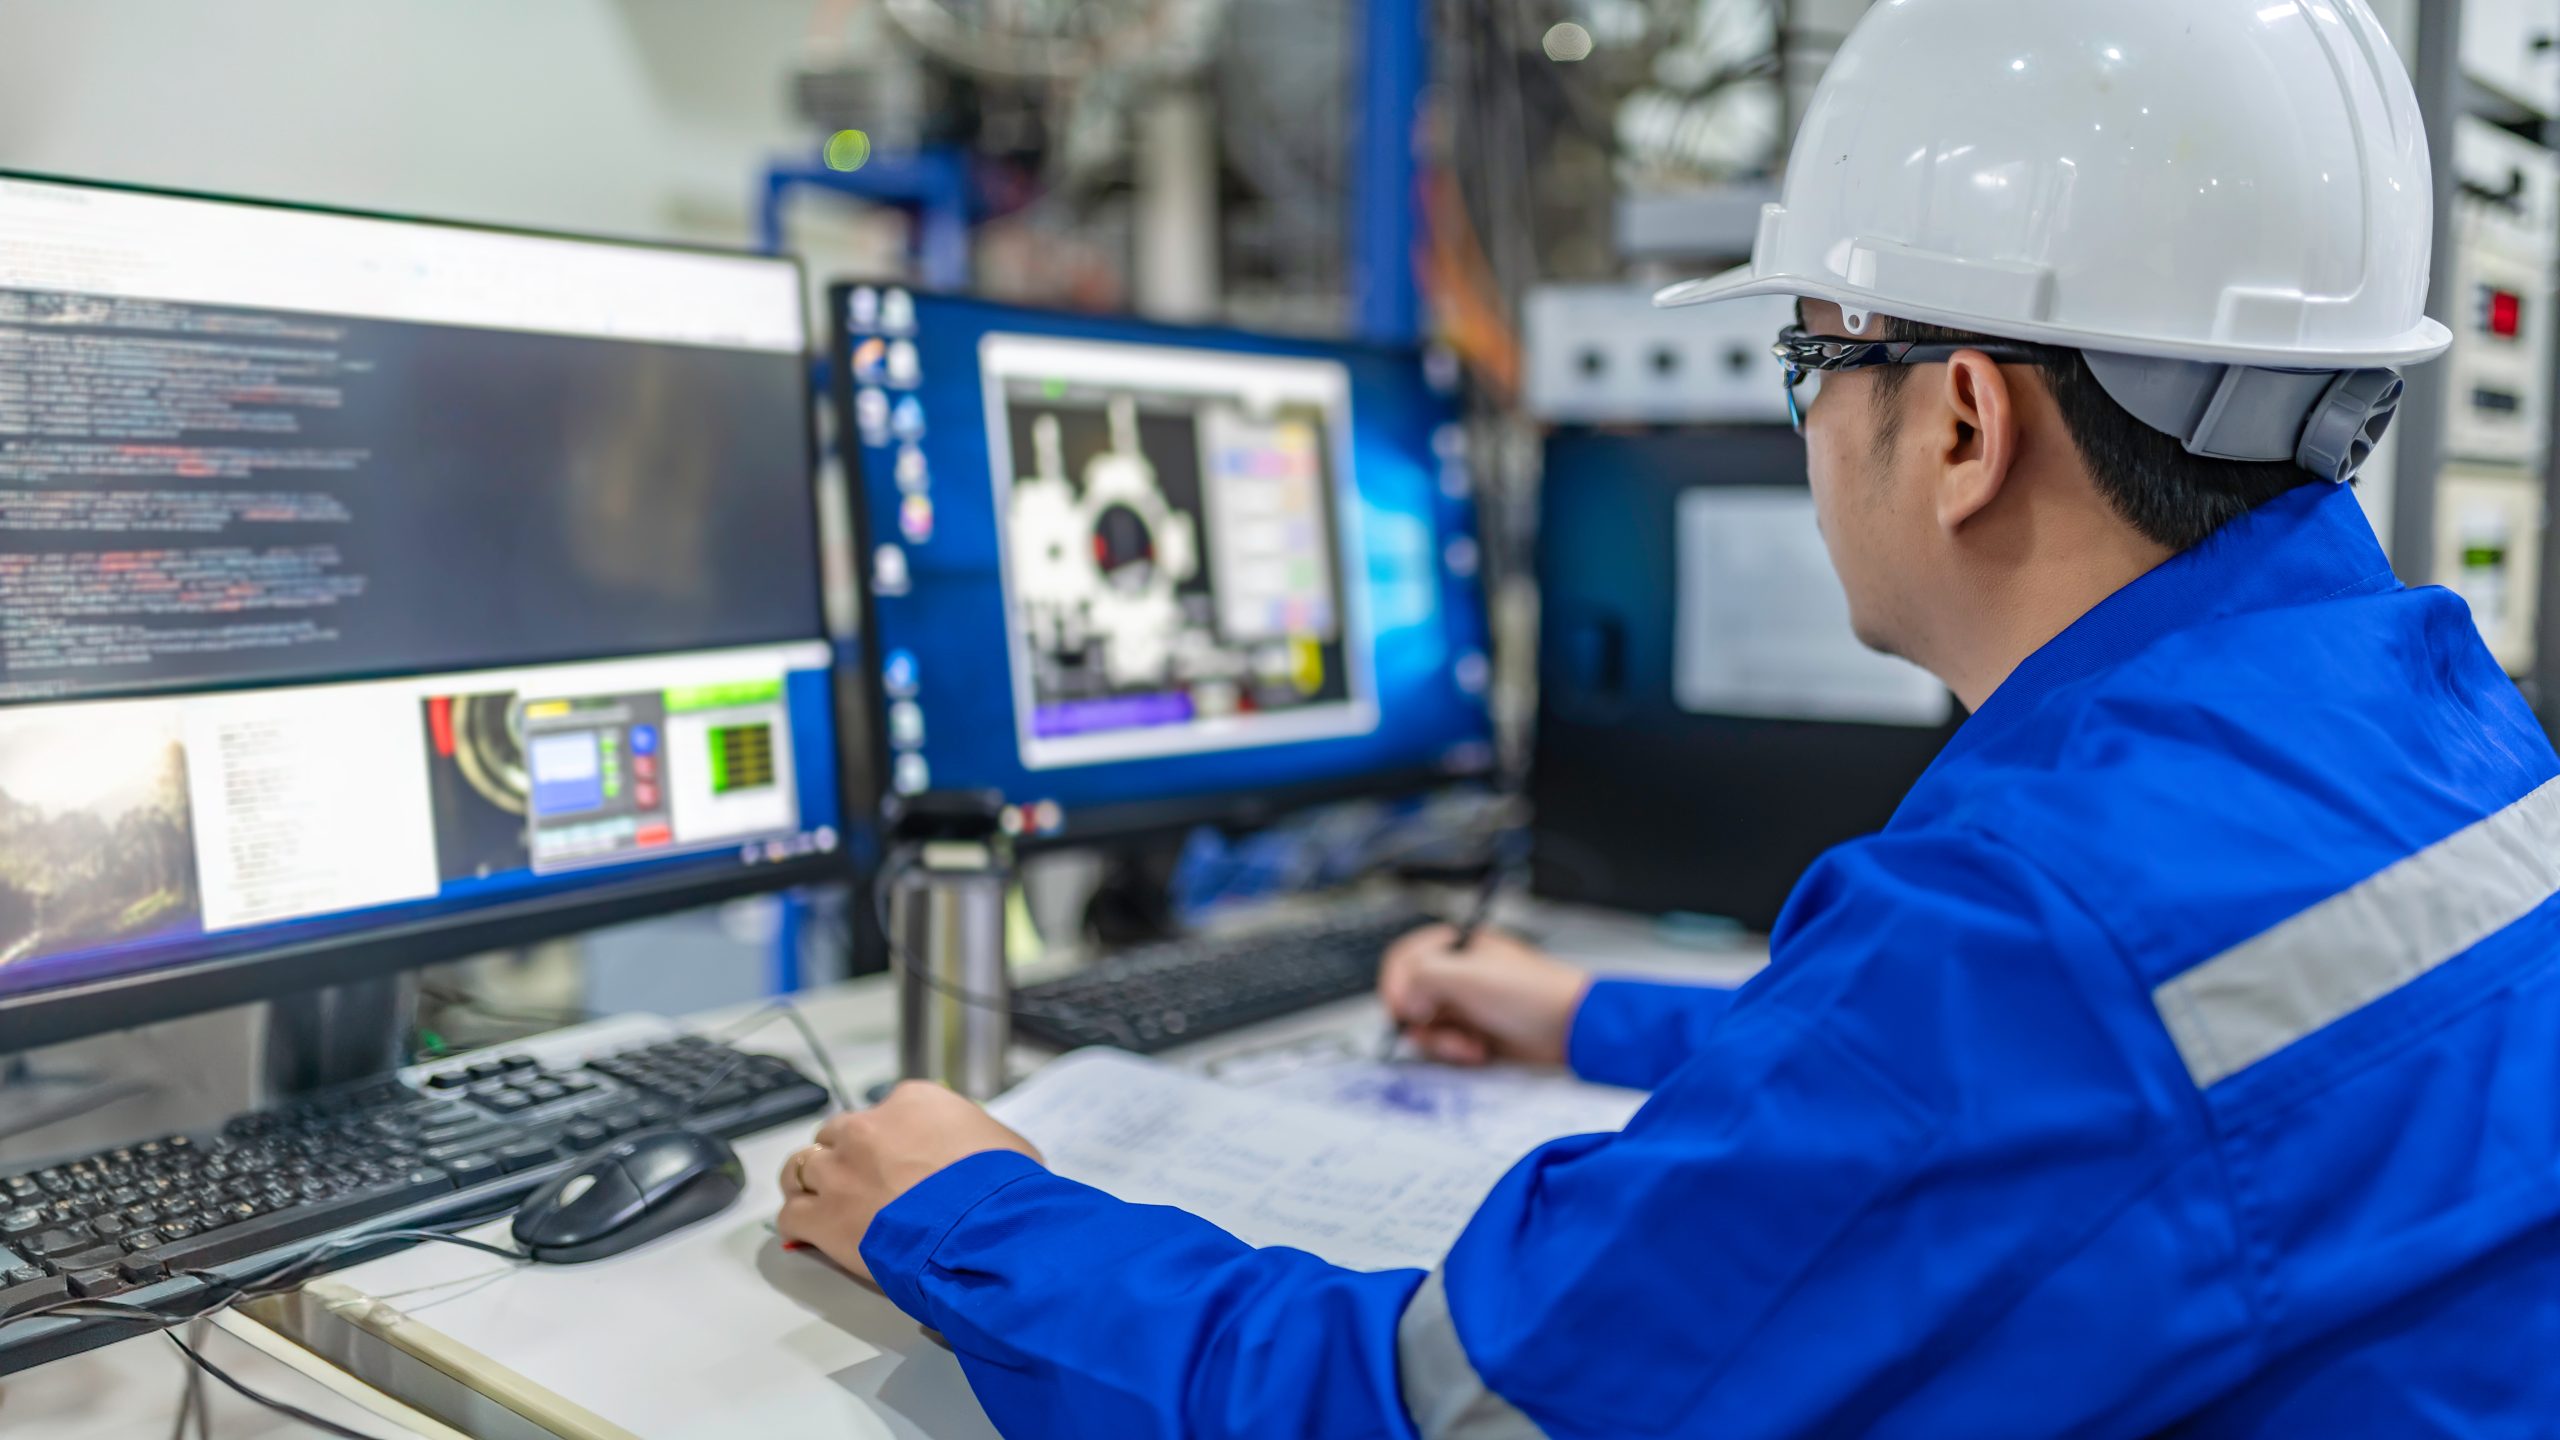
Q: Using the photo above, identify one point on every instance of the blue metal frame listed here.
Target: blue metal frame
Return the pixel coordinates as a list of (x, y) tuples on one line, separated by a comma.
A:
[(933, 184), (1395, 69)]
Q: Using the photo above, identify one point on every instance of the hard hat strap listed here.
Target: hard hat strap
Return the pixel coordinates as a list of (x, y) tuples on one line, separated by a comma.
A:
[(2326, 421)]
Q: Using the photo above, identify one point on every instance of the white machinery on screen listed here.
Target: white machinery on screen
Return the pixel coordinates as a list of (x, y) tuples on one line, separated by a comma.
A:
[(1104, 566)]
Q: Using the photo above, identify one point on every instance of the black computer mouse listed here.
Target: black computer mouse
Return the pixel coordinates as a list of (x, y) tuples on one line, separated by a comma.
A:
[(629, 1193)]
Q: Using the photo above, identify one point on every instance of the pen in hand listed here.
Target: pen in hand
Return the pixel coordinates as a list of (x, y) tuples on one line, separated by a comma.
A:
[(1476, 916)]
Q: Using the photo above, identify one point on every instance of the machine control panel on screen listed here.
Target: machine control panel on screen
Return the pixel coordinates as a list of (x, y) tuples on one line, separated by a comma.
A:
[(355, 570)]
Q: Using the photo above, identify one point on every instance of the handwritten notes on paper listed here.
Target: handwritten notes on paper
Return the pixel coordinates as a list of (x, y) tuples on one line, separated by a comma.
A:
[(1268, 1169), (1503, 1111)]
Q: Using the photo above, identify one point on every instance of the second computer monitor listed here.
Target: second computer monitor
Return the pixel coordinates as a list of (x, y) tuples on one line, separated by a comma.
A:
[(1133, 576)]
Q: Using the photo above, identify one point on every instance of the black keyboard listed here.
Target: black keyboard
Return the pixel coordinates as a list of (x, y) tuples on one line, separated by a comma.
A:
[(139, 1223), (1155, 997)]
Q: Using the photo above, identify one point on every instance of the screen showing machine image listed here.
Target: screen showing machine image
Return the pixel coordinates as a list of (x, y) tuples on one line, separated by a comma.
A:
[(359, 573), (1172, 546), (1118, 567)]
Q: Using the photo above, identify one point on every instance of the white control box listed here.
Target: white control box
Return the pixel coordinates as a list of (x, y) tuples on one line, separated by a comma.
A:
[(2489, 551), (2513, 48), (1603, 355), (2507, 247)]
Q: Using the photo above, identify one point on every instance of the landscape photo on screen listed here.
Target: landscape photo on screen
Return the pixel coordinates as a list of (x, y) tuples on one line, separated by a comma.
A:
[(96, 844)]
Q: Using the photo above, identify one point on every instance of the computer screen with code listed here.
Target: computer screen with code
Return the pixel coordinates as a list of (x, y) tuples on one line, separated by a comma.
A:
[(355, 570)]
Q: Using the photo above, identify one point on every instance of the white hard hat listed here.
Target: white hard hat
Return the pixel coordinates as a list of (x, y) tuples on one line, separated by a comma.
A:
[(2231, 186)]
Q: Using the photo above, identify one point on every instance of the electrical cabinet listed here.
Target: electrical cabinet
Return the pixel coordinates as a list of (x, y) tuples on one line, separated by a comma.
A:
[(2507, 242), (1603, 355), (2513, 47), (2489, 551)]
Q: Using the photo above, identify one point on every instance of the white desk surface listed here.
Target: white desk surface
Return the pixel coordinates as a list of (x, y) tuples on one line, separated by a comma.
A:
[(716, 1331)]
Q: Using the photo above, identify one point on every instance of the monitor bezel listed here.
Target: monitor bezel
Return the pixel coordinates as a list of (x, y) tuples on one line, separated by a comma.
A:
[(1135, 821), (80, 1007)]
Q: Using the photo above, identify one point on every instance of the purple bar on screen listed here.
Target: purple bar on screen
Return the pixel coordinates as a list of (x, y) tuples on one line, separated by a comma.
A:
[(1123, 712)]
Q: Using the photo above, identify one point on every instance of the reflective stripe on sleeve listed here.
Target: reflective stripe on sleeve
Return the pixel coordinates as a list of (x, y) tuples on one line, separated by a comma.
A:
[(2358, 946), (1443, 1393)]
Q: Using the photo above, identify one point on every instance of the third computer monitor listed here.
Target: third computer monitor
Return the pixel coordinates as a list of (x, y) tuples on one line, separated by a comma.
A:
[(1132, 576)]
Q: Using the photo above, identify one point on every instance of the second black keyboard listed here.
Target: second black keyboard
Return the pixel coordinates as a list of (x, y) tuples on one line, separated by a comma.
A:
[(1154, 997)]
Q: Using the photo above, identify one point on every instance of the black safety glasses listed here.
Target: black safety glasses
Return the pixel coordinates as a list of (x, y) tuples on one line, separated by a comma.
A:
[(1805, 355)]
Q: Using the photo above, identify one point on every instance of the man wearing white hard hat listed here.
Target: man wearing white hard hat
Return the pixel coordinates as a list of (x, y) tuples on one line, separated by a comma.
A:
[(2185, 1056)]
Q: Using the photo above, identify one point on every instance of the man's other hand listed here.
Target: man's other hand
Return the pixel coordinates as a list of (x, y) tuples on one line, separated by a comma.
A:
[(863, 1159), (1499, 999)]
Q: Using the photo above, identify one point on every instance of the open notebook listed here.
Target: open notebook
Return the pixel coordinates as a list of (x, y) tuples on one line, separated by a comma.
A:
[(1370, 1166)]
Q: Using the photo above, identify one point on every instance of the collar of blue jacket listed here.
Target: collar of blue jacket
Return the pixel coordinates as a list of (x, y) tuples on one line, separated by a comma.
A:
[(2300, 548)]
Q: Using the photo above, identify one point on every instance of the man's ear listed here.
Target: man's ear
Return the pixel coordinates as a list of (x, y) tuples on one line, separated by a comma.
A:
[(1978, 438)]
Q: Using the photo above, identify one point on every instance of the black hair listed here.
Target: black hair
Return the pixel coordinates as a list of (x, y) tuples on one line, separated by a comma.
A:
[(2172, 497)]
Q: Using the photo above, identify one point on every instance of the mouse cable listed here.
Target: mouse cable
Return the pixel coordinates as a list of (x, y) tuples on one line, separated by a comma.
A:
[(192, 1409), (290, 1411), (291, 1275), (222, 1293), (750, 1023), (169, 1323)]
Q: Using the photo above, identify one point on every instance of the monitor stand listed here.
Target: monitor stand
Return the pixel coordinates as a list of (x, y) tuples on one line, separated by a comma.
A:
[(1133, 904), (338, 1034)]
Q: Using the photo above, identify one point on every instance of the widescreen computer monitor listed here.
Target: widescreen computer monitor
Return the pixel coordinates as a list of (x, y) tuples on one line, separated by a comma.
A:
[(372, 591), (1133, 577)]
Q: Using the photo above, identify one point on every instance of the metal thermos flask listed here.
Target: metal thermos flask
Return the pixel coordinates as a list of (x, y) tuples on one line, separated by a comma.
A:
[(949, 874)]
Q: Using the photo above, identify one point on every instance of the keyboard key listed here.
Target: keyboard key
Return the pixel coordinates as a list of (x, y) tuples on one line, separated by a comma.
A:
[(62, 1241), (96, 1257), (472, 1168), (524, 1155), (479, 1143), (142, 1272), (97, 1283), (584, 1135), (20, 1296)]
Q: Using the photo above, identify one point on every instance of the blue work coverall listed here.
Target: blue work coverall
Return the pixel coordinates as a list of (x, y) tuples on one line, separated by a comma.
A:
[(2184, 1057)]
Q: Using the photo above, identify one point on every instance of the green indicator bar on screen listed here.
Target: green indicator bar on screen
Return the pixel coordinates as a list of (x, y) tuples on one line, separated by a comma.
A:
[(741, 758), (724, 697)]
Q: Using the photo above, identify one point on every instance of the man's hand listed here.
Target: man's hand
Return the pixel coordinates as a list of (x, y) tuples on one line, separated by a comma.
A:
[(1497, 1000), (863, 1159)]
